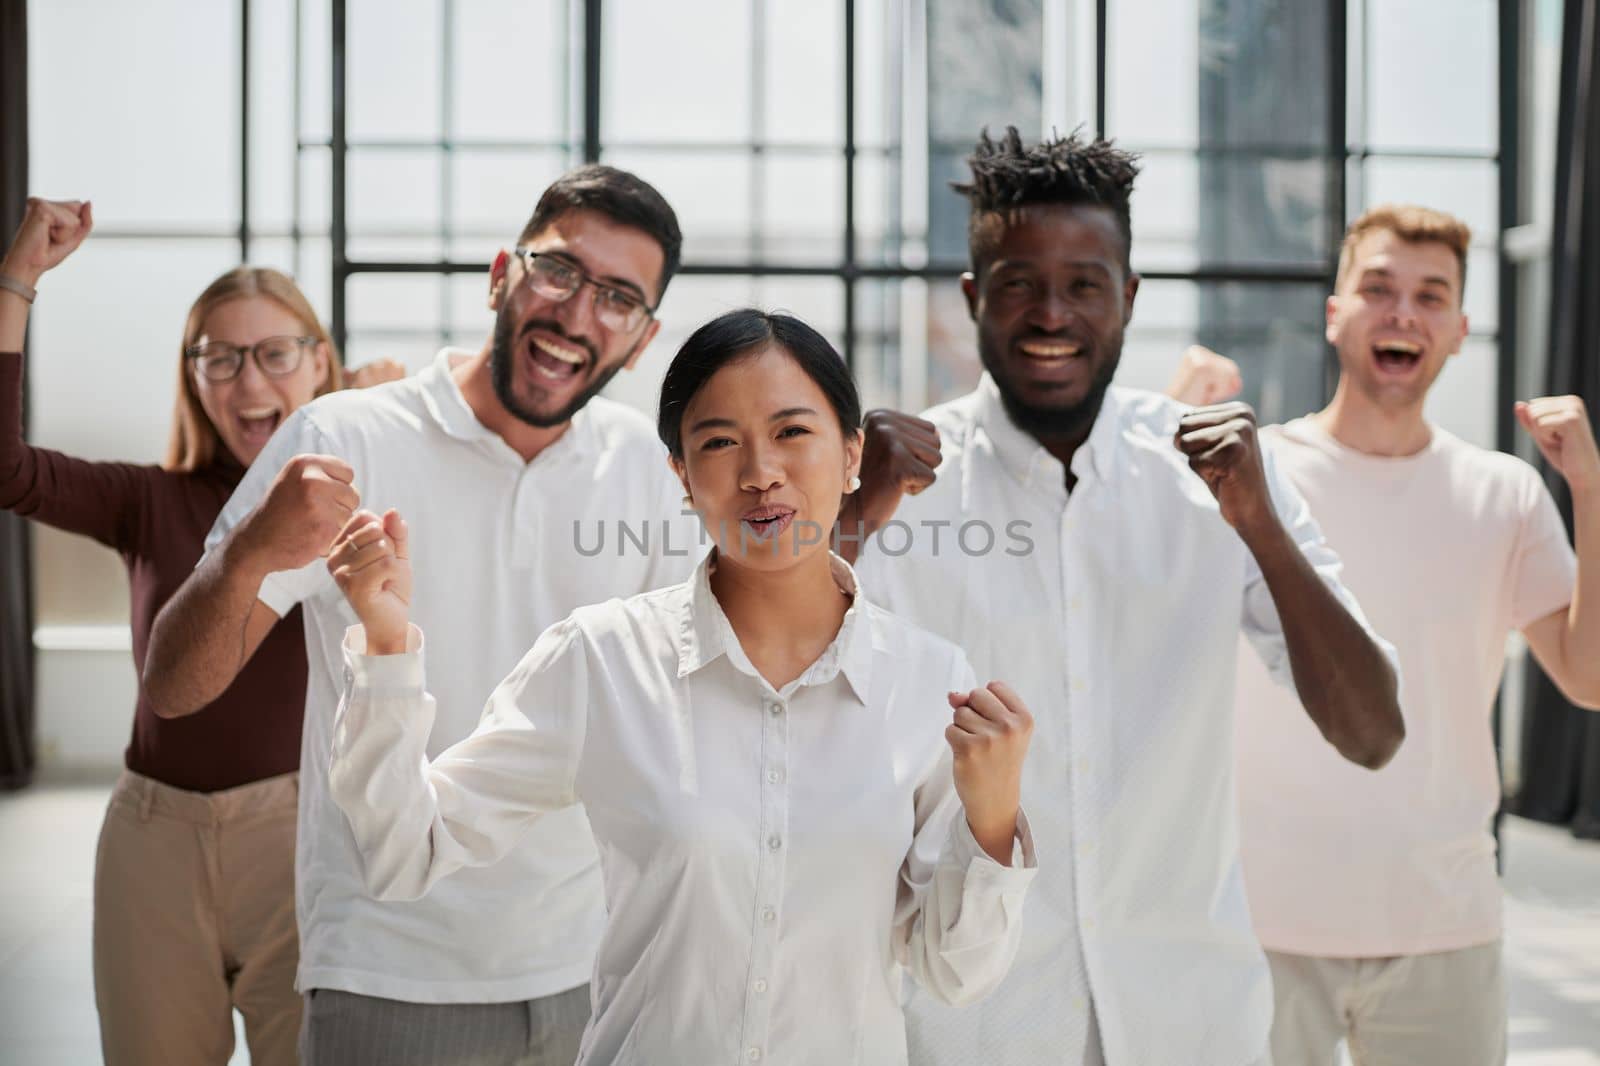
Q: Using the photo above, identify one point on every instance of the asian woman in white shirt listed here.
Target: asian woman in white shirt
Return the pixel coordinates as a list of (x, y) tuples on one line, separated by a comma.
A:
[(797, 797)]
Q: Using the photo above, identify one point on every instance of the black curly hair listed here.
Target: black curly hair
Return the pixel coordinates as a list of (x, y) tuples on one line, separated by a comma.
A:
[(1071, 170)]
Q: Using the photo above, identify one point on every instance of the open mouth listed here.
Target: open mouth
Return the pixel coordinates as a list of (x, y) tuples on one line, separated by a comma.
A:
[(257, 424), (767, 522), (1396, 356), (553, 360), (1050, 351)]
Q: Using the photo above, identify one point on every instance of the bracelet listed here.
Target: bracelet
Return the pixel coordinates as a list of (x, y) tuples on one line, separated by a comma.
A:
[(22, 289)]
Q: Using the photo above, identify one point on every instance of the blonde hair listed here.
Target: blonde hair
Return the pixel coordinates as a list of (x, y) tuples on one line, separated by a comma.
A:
[(1413, 224), (195, 443)]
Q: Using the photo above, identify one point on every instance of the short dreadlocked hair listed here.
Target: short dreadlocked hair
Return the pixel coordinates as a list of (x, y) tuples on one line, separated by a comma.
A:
[(1068, 170)]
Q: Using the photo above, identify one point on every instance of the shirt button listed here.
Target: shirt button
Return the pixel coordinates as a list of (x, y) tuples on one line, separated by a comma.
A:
[(754, 1054), (769, 916), (775, 709), (774, 842), (1078, 684), (1076, 603), (761, 984), (774, 776)]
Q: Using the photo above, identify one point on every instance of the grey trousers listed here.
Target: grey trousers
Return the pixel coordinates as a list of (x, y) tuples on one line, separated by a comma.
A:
[(346, 1029), (1444, 1009)]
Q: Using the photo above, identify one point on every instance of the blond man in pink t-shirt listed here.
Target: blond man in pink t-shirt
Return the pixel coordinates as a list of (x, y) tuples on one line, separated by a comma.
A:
[(1375, 894)]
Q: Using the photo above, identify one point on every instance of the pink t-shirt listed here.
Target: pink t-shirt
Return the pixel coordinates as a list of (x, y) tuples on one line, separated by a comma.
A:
[(1447, 551)]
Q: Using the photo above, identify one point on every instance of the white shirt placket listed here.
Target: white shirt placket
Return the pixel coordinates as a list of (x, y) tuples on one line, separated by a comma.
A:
[(772, 850), (1074, 626)]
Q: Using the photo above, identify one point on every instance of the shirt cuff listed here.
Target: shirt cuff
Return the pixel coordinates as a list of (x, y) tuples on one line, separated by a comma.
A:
[(969, 854), (275, 593), (383, 671)]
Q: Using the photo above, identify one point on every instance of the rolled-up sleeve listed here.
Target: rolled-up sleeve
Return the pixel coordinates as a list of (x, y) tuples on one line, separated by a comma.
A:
[(958, 913), (415, 822)]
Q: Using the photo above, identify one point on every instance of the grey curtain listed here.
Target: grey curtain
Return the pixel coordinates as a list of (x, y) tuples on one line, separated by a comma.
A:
[(16, 570), (1561, 743)]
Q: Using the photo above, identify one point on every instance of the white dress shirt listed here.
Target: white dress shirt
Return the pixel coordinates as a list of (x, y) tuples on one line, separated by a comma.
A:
[(505, 549), (773, 860), (1115, 612)]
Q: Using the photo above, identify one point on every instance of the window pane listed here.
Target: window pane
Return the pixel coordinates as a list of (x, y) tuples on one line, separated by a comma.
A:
[(710, 193), (1272, 329), (316, 70), (140, 113), (914, 343), (393, 193), (1462, 400), (1223, 209), (1187, 72), (392, 69), (880, 55), (984, 65), (272, 132), (382, 303), (804, 75), (511, 76), (1409, 105), (882, 226), (671, 78), (802, 216), (493, 193), (1152, 75)]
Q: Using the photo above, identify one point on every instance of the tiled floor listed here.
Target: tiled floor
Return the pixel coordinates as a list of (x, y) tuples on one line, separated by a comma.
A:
[(47, 836)]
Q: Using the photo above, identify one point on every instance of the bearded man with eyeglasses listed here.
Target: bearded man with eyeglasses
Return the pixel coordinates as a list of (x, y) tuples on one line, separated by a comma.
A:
[(497, 457)]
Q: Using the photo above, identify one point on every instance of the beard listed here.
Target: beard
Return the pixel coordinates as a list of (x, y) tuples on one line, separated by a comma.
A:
[(1054, 422), (502, 370)]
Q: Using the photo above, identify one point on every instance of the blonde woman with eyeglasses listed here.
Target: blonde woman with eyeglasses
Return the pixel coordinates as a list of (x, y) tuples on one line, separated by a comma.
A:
[(194, 876)]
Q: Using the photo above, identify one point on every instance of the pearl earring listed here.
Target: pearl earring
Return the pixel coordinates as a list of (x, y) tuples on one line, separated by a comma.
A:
[(688, 502), (854, 485)]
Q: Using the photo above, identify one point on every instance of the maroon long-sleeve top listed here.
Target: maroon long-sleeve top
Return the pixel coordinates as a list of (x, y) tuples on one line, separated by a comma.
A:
[(157, 521)]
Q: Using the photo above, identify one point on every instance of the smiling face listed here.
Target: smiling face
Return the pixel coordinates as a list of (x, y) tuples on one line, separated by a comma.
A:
[(766, 460), (247, 409), (1051, 303), (551, 357), (1396, 318)]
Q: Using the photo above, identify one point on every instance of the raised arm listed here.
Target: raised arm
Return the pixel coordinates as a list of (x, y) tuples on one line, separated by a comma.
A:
[(899, 457), (414, 822), (1342, 676), (958, 915), (1203, 377), (1567, 642), (51, 230), (102, 500), (215, 621)]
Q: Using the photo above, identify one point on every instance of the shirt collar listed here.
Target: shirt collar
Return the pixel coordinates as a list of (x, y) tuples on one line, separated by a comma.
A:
[(442, 397), (1023, 455), (704, 633)]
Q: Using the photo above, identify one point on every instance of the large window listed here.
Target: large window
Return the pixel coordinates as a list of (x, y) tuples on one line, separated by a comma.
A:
[(384, 149)]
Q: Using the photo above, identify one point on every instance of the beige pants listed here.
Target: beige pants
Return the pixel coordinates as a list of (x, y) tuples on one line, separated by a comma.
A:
[(1444, 1009), (193, 917)]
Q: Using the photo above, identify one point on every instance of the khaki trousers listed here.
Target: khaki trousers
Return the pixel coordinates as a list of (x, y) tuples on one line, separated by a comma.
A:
[(1443, 1009), (194, 917)]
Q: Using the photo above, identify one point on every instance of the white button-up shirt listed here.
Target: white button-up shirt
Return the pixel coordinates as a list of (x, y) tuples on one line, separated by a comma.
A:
[(505, 549), (1115, 612), (774, 860)]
